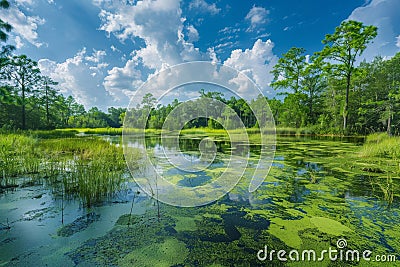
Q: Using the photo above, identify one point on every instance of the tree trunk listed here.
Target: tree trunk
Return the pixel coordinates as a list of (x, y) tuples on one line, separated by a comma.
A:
[(389, 124), (47, 106), (23, 108), (346, 106)]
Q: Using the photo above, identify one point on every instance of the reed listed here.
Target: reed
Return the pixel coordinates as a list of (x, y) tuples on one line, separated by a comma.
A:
[(89, 168), (92, 168), (381, 145), (18, 155)]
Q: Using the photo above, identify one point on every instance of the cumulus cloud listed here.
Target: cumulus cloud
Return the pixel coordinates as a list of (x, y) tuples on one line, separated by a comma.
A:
[(257, 16), (193, 34), (203, 6), (18, 42), (79, 76), (398, 41), (23, 26), (170, 43), (384, 15), (256, 63), (165, 44)]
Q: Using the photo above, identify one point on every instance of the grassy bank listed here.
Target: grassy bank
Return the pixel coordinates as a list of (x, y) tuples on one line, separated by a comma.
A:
[(278, 130), (382, 145)]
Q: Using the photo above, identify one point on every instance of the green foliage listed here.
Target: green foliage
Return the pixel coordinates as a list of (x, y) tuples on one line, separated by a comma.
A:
[(343, 47), (324, 93)]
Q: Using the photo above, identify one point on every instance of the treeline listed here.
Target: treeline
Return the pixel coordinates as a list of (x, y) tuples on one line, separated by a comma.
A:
[(330, 93), (30, 100), (327, 92), (373, 101), (205, 113)]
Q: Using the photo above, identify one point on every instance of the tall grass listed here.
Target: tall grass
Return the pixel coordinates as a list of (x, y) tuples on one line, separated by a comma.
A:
[(112, 131), (381, 145), (89, 168), (18, 155)]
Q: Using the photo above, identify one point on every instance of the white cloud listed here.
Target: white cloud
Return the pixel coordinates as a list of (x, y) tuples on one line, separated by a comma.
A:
[(166, 40), (96, 56), (213, 56), (80, 77), (193, 34), (114, 49), (166, 44), (120, 82), (384, 15), (398, 41), (18, 42), (256, 63), (257, 16), (24, 2), (23, 25), (203, 6)]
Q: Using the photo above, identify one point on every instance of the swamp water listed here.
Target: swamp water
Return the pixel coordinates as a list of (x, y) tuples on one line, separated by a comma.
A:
[(313, 196)]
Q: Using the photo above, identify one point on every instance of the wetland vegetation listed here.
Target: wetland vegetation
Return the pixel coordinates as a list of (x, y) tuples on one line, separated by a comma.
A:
[(319, 189), (67, 197)]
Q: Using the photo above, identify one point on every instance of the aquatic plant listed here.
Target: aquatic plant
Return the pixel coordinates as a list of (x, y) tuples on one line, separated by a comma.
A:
[(18, 155)]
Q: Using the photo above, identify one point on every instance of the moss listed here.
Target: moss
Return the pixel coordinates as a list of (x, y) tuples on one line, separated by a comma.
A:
[(170, 252)]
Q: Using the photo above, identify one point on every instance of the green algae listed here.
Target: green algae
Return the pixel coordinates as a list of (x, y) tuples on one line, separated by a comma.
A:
[(329, 226), (288, 231), (169, 252), (185, 223)]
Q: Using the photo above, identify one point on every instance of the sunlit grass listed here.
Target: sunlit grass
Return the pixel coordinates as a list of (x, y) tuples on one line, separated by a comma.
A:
[(89, 168), (18, 155), (382, 145)]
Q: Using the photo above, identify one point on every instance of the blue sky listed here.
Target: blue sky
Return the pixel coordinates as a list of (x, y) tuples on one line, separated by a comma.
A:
[(101, 51)]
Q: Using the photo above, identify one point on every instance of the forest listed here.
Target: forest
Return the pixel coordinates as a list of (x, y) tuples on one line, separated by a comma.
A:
[(329, 92)]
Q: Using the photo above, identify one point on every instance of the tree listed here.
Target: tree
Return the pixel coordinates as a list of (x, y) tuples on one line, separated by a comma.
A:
[(4, 29), (313, 84), (288, 71), (24, 73), (47, 95), (342, 48), (115, 116), (4, 26)]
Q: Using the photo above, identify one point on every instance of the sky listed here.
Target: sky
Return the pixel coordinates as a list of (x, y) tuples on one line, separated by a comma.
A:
[(102, 51)]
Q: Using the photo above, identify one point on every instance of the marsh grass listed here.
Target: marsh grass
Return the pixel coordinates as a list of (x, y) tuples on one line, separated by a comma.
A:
[(112, 131), (18, 155), (89, 168), (382, 145), (384, 151)]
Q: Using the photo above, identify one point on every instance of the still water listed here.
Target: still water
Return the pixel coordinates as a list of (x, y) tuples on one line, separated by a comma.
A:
[(312, 197)]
